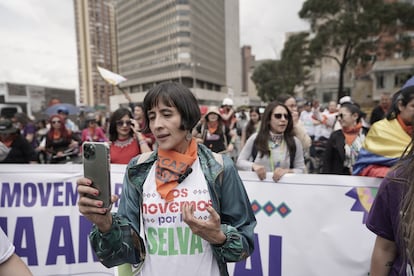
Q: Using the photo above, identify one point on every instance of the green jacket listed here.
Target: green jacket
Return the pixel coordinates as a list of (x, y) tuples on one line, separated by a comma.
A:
[(229, 199)]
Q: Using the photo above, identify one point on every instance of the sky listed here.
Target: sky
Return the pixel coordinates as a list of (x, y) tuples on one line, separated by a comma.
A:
[(38, 40)]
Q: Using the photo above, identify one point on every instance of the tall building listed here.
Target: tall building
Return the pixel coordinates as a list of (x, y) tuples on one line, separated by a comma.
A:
[(233, 58), (96, 44), (183, 41)]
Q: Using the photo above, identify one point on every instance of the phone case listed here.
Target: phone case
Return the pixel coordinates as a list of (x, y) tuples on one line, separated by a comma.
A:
[(96, 166)]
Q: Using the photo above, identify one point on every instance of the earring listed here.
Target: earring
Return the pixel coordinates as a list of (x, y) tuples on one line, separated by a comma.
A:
[(188, 136)]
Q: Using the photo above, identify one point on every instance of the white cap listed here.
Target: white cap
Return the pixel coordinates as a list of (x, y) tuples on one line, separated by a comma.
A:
[(345, 99), (227, 101)]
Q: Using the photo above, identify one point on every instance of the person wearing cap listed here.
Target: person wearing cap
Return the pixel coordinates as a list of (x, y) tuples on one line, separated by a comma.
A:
[(388, 138), (69, 124), (227, 113), (214, 133), (92, 132), (18, 148)]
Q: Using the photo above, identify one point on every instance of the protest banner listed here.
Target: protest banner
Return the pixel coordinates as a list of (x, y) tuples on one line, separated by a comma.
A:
[(307, 224)]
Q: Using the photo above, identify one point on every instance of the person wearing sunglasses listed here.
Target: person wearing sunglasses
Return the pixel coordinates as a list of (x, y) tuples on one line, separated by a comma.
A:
[(344, 144), (274, 148), (188, 203), (126, 143), (62, 145)]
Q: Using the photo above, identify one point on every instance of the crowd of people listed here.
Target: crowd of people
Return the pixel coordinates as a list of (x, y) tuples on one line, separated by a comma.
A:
[(181, 142)]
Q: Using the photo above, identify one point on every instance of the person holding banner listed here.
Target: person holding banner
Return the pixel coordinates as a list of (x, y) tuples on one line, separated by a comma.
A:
[(274, 148), (188, 203), (10, 263), (391, 218)]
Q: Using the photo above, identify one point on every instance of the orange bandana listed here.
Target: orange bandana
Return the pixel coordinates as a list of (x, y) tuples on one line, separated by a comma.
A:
[(407, 129), (212, 127), (170, 166), (351, 133)]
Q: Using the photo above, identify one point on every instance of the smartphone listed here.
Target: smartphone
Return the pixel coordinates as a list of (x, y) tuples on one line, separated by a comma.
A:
[(96, 166)]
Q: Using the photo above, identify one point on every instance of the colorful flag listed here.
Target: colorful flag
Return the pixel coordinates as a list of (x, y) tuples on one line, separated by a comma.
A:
[(110, 77)]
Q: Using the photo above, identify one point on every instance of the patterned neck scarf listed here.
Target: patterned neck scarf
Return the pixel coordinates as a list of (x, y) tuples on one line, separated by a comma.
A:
[(351, 133), (171, 166), (276, 138)]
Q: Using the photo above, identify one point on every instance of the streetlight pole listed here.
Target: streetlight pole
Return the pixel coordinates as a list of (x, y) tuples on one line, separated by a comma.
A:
[(193, 65)]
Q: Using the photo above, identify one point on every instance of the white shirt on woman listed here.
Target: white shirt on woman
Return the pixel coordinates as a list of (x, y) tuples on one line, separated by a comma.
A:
[(279, 153), (6, 247)]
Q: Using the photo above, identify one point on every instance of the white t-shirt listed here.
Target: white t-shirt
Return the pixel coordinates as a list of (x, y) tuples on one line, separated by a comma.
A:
[(6, 247), (172, 248)]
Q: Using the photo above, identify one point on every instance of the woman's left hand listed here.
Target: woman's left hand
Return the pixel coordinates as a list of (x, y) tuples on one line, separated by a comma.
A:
[(209, 229), (230, 147), (278, 173)]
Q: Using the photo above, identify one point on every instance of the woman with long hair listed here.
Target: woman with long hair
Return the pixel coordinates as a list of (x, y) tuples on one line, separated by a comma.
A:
[(181, 194), (126, 143), (274, 148), (252, 125), (61, 144)]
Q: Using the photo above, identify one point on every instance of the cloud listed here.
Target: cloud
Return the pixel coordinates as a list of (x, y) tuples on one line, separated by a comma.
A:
[(264, 24), (41, 45)]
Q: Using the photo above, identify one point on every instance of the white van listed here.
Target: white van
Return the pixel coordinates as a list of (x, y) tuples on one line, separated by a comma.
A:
[(8, 110)]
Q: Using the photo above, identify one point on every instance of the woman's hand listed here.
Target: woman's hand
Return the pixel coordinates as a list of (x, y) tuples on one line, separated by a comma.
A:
[(92, 209), (259, 170), (208, 230), (278, 173), (230, 148)]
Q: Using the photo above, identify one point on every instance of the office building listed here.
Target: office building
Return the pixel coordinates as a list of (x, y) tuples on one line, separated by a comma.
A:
[(183, 41), (96, 45)]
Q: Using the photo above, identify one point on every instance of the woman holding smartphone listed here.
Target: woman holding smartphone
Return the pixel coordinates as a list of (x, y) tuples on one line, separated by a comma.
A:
[(126, 143), (189, 203)]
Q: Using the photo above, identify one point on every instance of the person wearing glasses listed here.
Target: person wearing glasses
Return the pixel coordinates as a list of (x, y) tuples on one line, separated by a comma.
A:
[(61, 143), (92, 132), (344, 144), (274, 148), (126, 143), (188, 203)]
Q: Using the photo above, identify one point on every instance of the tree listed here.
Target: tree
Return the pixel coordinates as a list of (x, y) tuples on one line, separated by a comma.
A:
[(348, 31), (276, 77)]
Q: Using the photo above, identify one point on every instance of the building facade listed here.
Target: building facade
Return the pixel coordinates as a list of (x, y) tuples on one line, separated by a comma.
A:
[(183, 41), (96, 46)]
